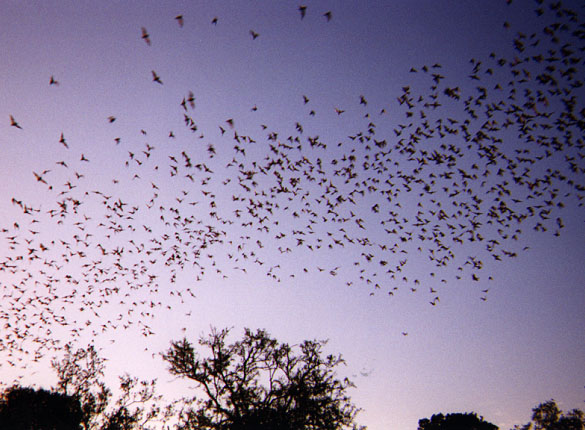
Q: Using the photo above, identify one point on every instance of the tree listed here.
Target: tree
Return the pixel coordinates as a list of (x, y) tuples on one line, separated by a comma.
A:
[(80, 375), (548, 416), (257, 383), (24, 408), (457, 421)]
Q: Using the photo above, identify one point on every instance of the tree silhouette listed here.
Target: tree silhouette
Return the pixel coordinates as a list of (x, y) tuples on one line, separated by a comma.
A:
[(548, 416), (457, 421), (80, 376), (257, 383), (24, 408)]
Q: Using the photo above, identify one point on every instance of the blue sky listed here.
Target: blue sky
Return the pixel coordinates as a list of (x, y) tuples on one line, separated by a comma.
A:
[(498, 353)]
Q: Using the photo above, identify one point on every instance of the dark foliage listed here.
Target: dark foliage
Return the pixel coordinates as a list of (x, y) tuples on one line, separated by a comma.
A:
[(80, 375), (24, 408), (548, 416), (257, 383), (457, 421)]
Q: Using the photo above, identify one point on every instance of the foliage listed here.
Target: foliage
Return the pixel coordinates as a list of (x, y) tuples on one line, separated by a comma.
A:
[(457, 421), (548, 416), (258, 383), (80, 376), (24, 408)]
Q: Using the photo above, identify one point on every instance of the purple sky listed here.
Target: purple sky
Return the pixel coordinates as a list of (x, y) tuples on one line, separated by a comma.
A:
[(498, 353)]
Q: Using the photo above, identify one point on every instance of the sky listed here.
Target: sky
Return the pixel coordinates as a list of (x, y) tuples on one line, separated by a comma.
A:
[(199, 176)]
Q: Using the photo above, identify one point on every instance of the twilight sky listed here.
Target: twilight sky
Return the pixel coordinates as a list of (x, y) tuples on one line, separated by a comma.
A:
[(360, 179)]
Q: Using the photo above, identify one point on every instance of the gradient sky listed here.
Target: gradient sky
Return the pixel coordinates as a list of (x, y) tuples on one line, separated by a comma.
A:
[(498, 357)]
